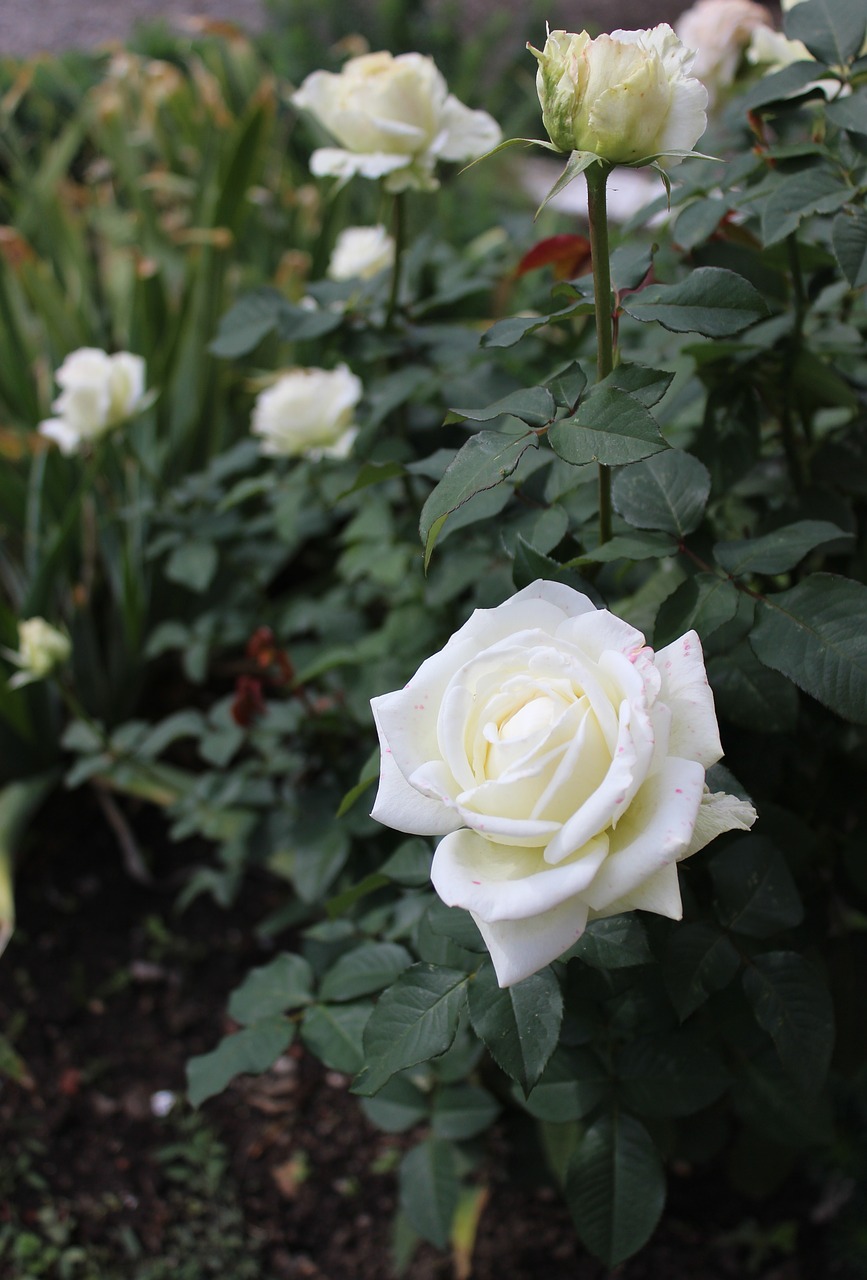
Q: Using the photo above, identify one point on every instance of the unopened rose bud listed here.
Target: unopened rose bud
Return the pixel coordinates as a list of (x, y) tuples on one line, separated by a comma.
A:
[(627, 97)]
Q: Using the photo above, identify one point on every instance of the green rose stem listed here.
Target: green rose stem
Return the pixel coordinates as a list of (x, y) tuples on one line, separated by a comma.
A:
[(597, 178), (398, 226)]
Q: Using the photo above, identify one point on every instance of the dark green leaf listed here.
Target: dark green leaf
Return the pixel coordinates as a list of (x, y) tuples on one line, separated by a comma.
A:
[(704, 603), (609, 427), (429, 1189), (246, 323), (365, 970), (749, 694), (398, 1106), (535, 406), (573, 1083), (755, 892), (615, 1187), (505, 333), (455, 923), (816, 634), (486, 460), (668, 492), (568, 387), (778, 551), (849, 113), (791, 81), (414, 1020), (633, 546), (833, 30), (519, 1024), (711, 300), (193, 565), (616, 942), (697, 222), (648, 386), (673, 1074), (765, 1097), (333, 1033), (462, 1112), (849, 237), (699, 960), (799, 195), (250, 1051), (284, 983), (792, 1004), (295, 324)]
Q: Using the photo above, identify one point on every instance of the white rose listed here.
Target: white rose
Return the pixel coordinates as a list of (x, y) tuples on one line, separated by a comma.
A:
[(626, 97), (309, 412), (99, 391), (361, 253), (394, 119), (41, 648), (719, 31), (563, 762)]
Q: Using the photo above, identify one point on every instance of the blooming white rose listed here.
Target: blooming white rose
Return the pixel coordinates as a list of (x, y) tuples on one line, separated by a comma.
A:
[(563, 762), (41, 648), (394, 119), (719, 31), (308, 412), (627, 96), (361, 253), (99, 391)]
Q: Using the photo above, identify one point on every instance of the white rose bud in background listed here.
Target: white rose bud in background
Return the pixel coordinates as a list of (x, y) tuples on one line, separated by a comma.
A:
[(309, 413), (563, 762), (626, 97), (41, 648), (394, 119), (99, 392), (719, 31), (361, 253)]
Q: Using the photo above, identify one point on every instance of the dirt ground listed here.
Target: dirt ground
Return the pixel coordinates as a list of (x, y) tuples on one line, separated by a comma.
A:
[(106, 991), (32, 26)]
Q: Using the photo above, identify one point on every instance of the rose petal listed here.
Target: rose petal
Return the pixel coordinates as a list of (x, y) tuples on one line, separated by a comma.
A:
[(502, 882), (694, 733), (333, 162), (400, 806), (64, 436), (656, 830), (719, 812), (659, 893), (520, 948)]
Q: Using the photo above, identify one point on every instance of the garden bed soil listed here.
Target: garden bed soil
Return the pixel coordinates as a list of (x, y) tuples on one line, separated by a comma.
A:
[(106, 991)]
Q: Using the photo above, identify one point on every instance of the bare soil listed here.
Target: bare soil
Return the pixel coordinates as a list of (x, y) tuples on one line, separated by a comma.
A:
[(106, 991)]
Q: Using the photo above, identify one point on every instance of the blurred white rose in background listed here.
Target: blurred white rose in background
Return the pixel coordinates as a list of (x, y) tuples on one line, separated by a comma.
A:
[(394, 118), (720, 31), (308, 413), (361, 253), (98, 392), (41, 648)]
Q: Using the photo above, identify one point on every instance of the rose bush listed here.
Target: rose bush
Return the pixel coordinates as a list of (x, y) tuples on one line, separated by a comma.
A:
[(361, 253), (563, 762), (99, 392), (308, 412), (627, 97), (394, 119)]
